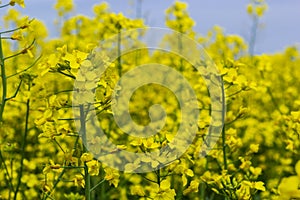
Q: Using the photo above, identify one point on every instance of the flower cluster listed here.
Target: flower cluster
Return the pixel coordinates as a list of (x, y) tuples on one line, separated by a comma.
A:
[(43, 155)]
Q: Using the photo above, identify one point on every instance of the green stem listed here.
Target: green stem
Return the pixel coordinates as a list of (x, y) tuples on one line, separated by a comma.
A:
[(24, 70), (158, 176), (87, 176), (16, 92), (93, 188), (4, 82), (102, 188), (21, 52), (202, 190), (180, 47), (223, 129), (8, 178), (87, 183), (12, 30), (119, 53), (23, 146), (55, 184), (5, 5), (82, 126)]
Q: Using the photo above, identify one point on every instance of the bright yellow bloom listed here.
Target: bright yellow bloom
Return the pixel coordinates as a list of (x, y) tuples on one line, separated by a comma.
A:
[(163, 192), (25, 22), (244, 191), (254, 148), (19, 2), (250, 9), (75, 58), (137, 190), (194, 185), (17, 36), (297, 168), (288, 188), (79, 181), (255, 171), (93, 167), (112, 176), (64, 6), (86, 157), (260, 10), (259, 186)]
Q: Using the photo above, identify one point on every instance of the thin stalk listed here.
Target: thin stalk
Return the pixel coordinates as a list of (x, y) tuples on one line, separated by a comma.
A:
[(57, 143), (82, 126), (180, 47), (5, 5), (4, 81), (72, 167), (68, 75), (24, 70), (23, 146), (93, 188), (8, 178), (223, 129), (10, 31), (21, 52), (16, 92), (119, 53), (158, 177), (87, 176), (87, 183), (102, 188), (202, 191), (6, 38), (55, 183)]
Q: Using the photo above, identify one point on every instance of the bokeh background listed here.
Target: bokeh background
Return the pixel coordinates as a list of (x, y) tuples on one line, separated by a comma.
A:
[(279, 28)]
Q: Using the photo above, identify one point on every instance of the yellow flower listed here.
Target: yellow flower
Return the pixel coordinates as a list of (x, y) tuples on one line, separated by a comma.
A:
[(250, 9), (46, 169), (75, 58), (27, 50), (55, 167), (260, 10), (93, 167), (254, 148), (137, 190), (163, 192), (25, 22), (245, 165), (69, 159), (259, 185), (79, 181), (149, 143), (64, 6), (20, 2), (112, 176), (255, 171), (17, 36), (289, 145), (244, 191), (85, 157), (297, 168), (47, 187), (192, 188), (288, 188)]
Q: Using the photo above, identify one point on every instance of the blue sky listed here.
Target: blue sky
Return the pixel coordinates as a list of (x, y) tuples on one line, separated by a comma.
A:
[(280, 25)]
